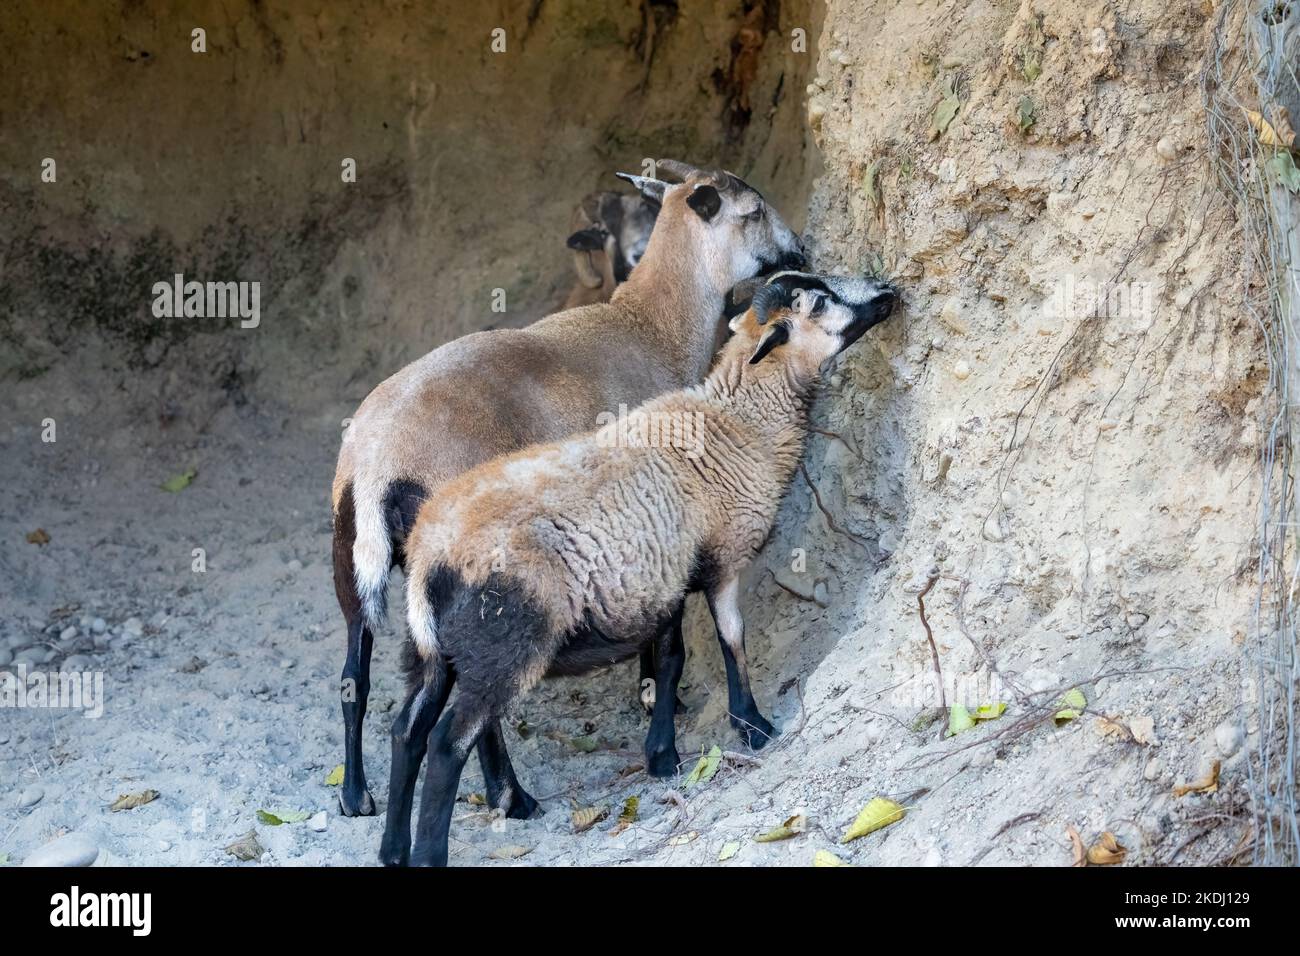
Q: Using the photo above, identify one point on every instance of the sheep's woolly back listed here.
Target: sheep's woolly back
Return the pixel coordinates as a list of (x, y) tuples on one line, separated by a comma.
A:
[(611, 523)]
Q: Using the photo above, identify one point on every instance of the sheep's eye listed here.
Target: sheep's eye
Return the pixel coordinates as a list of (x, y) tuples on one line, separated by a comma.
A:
[(754, 216)]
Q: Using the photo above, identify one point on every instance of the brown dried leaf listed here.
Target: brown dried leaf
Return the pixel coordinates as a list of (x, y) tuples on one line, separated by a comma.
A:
[(1208, 784), (246, 847), (1109, 727), (1076, 844), (129, 801), (1107, 851), (39, 536), (585, 818), (510, 852)]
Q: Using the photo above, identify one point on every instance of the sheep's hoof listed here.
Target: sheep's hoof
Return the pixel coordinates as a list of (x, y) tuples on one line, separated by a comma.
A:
[(755, 731), (352, 806), (394, 857), (663, 763), (522, 806)]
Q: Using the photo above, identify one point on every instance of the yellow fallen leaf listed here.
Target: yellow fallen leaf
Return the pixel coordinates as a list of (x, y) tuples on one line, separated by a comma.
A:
[(1107, 851), (728, 851), (705, 768), (684, 838), (875, 815), (989, 711), (827, 858), (476, 800), (129, 801), (1207, 784), (180, 482), (628, 816), (959, 719), (510, 852), (1279, 133), (1070, 706), (793, 826), (1076, 845), (335, 779)]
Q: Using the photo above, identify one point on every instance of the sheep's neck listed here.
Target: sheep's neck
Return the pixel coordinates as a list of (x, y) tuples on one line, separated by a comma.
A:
[(673, 302), (773, 398)]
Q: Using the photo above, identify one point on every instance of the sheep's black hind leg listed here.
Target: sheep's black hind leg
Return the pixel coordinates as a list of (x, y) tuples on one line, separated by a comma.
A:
[(724, 603), (411, 730), (354, 690), (449, 746), (503, 789), (661, 742)]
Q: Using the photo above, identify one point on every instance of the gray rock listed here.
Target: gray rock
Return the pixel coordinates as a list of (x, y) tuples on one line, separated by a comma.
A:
[(34, 655), (74, 849), (31, 796), (317, 822), (6, 656), (133, 626), (1228, 736), (68, 633), (1151, 771), (295, 565), (821, 593), (79, 662), (99, 625), (102, 640)]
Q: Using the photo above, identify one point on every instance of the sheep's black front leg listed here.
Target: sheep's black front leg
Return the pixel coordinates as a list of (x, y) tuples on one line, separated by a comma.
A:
[(661, 743), (411, 730), (503, 789), (354, 690), (646, 682), (724, 604), (449, 746)]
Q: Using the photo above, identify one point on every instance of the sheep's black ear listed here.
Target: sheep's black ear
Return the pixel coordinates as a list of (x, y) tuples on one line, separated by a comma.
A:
[(651, 189), (591, 239), (779, 334), (705, 200)]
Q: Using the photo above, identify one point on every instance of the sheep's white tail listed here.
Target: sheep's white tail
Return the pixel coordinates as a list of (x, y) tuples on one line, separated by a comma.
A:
[(372, 551), (420, 614)]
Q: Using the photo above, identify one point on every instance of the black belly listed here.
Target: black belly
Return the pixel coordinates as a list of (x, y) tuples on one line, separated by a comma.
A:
[(589, 647)]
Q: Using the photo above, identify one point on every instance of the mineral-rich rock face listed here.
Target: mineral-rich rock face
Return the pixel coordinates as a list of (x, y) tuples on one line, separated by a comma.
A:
[(1057, 435)]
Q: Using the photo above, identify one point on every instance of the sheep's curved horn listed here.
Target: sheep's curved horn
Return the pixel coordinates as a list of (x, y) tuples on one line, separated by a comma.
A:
[(682, 171)]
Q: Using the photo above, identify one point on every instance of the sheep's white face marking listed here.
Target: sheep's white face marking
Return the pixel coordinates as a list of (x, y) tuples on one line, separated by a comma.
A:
[(820, 316)]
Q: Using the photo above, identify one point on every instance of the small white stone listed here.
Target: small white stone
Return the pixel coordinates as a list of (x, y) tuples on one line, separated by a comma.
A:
[(961, 370), (1228, 736), (295, 565), (68, 633), (1166, 148), (73, 849), (31, 796), (99, 625), (1152, 770), (317, 822), (133, 626)]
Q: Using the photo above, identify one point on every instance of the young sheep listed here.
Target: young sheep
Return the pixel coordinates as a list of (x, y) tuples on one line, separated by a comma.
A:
[(569, 556), (610, 234), (494, 392)]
